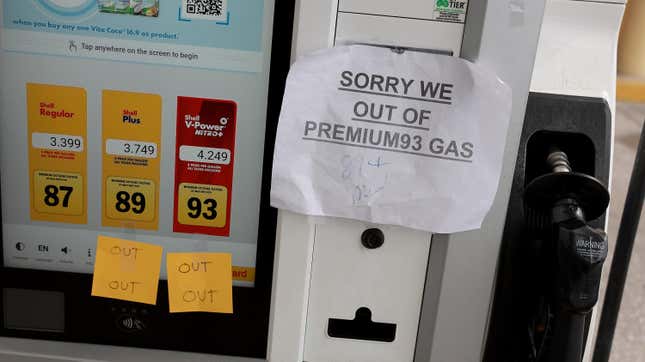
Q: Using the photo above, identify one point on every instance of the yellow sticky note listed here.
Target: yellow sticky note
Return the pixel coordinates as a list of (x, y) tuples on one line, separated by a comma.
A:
[(126, 270), (200, 282)]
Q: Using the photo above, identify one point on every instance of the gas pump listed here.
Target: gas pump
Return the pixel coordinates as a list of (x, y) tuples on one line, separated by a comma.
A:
[(305, 288)]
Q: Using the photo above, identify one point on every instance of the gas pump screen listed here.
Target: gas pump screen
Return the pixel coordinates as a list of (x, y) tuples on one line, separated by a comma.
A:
[(142, 120)]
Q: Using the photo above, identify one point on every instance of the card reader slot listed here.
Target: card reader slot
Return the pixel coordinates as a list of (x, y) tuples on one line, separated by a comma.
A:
[(361, 327)]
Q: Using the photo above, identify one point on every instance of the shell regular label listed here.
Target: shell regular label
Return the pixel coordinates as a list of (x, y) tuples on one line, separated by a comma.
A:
[(204, 165), (131, 152), (57, 130)]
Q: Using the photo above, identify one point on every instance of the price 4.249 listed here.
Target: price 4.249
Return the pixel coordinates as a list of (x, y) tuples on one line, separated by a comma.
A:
[(210, 155), (218, 156)]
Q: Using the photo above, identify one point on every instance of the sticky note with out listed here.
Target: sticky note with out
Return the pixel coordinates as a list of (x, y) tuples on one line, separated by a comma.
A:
[(200, 282), (126, 270)]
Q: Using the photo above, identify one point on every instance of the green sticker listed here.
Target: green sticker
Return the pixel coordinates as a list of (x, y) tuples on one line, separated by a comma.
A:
[(452, 11)]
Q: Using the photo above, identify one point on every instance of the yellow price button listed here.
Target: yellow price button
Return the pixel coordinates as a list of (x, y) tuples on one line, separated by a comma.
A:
[(202, 205), (58, 193), (130, 199)]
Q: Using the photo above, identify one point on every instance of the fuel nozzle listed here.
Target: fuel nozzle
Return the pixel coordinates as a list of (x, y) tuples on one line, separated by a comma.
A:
[(570, 199), (580, 249), (562, 183)]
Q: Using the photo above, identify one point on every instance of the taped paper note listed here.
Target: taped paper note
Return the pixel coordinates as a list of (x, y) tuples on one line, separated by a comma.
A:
[(126, 270), (412, 139), (200, 282)]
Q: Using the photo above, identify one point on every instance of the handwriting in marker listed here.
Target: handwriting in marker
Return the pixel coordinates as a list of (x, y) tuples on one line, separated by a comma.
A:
[(193, 266), (124, 286), (117, 250), (378, 162), (363, 183), (204, 296)]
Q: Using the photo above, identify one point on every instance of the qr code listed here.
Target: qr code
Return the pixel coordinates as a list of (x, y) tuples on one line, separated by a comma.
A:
[(205, 9)]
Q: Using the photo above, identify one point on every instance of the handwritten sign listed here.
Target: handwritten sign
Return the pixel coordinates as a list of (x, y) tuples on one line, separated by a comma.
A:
[(200, 282), (403, 138), (126, 270)]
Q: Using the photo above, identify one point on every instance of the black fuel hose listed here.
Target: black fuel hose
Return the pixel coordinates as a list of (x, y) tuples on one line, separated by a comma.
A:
[(622, 256)]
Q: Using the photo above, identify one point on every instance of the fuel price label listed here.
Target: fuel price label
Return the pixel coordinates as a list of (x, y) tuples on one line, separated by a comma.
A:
[(131, 164), (130, 198), (204, 160), (202, 205), (57, 130), (56, 191)]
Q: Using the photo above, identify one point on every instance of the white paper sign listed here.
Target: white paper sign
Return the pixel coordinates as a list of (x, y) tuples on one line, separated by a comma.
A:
[(411, 139)]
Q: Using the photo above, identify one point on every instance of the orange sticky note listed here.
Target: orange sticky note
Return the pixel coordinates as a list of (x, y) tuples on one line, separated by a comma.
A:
[(200, 282), (126, 270)]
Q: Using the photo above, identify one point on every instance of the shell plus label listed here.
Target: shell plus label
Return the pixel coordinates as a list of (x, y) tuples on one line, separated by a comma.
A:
[(57, 130), (204, 165), (131, 159)]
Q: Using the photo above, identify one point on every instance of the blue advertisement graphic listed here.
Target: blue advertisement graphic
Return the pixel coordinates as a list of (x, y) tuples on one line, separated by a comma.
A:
[(242, 30), (78, 9)]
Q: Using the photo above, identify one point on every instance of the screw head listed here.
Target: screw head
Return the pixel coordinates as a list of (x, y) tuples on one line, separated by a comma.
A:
[(372, 238)]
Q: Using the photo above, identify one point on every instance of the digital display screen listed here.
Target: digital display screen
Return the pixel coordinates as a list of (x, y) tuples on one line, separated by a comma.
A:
[(138, 119)]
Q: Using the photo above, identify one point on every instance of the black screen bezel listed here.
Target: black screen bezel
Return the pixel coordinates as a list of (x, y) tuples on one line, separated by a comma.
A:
[(245, 333)]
